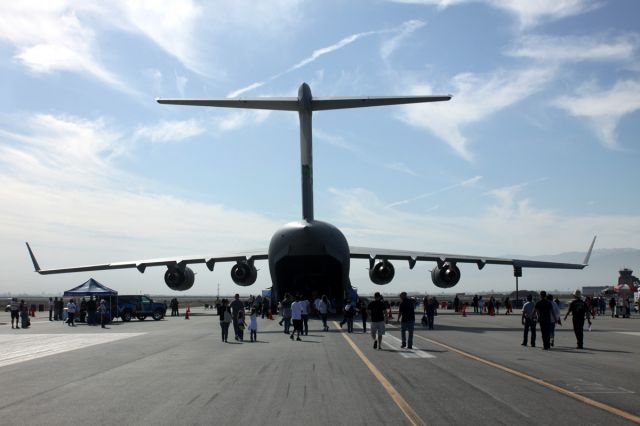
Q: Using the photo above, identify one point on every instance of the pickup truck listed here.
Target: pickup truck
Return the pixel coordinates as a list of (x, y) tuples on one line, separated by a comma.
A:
[(139, 307)]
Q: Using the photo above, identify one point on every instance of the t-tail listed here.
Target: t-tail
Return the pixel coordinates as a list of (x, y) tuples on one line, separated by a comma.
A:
[(305, 104)]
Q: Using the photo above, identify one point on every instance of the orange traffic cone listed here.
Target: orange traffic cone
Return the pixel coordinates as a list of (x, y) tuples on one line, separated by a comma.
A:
[(186, 315), (270, 316)]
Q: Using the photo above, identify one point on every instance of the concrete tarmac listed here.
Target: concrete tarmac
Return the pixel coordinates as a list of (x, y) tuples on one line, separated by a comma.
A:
[(176, 371)]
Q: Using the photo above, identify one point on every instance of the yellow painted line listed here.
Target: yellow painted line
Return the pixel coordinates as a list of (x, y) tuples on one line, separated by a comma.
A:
[(616, 411), (404, 406)]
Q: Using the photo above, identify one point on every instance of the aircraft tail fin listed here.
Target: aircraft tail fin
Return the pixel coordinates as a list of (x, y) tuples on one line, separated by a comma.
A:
[(33, 259), (585, 262)]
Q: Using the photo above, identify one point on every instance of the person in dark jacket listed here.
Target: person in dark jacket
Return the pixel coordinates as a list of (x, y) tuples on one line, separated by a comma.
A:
[(407, 318), (579, 312)]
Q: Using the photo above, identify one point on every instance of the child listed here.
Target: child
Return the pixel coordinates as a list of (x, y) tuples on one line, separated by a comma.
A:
[(253, 326), (241, 325)]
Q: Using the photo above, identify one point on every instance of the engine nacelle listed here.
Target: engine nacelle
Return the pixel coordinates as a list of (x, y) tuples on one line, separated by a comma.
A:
[(244, 273), (179, 279), (382, 272), (445, 276)]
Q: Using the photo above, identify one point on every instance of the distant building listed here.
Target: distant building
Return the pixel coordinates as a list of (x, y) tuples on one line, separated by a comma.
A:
[(593, 290)]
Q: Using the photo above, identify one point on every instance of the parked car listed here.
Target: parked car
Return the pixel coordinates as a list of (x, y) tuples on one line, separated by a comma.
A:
[(136, 306)]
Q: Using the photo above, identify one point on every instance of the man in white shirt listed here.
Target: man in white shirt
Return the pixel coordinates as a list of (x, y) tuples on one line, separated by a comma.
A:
[(71, 313), (297, 308)]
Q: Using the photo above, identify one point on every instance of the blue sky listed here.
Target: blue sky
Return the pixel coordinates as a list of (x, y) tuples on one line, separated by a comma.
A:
[(537, 151)]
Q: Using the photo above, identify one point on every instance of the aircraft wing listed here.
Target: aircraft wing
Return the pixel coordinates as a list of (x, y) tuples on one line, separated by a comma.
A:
[(141, 265), (373, 254)]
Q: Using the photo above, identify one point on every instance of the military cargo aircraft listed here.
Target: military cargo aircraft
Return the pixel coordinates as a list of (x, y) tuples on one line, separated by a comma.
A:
[(309, 256)]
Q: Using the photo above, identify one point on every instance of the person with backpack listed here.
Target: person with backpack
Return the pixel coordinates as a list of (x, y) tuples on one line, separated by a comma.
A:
[(579, 311)]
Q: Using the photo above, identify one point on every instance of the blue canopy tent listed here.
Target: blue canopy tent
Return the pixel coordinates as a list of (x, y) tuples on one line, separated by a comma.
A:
[(92, 287)]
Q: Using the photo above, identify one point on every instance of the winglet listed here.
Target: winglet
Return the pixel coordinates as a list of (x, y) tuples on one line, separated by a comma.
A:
[(33, 259), (585, 262)]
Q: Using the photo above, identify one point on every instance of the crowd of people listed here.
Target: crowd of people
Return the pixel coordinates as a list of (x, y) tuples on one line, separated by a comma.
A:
[(89, 311)]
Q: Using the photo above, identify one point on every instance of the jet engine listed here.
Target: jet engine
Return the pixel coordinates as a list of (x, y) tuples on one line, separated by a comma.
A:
[(446, 275), (244, 273), (179, 279), (382, 272)]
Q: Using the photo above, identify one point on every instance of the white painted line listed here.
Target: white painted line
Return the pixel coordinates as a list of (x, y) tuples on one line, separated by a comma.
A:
[(15, 348), (630, 333), (396, 345)]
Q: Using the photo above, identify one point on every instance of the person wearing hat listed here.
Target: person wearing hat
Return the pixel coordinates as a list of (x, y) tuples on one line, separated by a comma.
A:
[(578, 310)]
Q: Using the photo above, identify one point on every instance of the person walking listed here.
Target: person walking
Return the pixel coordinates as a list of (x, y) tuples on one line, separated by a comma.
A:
[(236, 307), (544, 312), (349, 311), (362, 307), (323, 308), (430, 312), (224, 315), (407, 318), (60, 309), (24, 314), (529, 321), (305, 315), (51, 309), (102, 310), (15, 312), (555, 318), (579, 312), (286, 312), (92, 308), (71, 313), (296, 316), (377, 312), (253, 325)]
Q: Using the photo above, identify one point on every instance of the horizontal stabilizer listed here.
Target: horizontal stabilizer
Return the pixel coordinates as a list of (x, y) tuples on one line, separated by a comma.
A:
[(294, 104), (323, 104)]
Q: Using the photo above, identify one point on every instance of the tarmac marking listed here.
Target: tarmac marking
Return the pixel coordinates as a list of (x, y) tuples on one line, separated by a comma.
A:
[(630, 333), (597, 404), (15, 349), (406, 409), (396, 345)]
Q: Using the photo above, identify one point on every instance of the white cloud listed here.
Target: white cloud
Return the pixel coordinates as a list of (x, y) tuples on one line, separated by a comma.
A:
[(64, 192), (468, 183), (181, 83), (402, 32), (528, 13), (238, 119), (475, 98), (170, 131), (507, 223), (603, 108), (576, 49), (50, 37), (402, 168), (392, 44)]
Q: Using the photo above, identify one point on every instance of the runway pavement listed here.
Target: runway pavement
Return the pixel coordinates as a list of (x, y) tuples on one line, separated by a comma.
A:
[(176, 371)]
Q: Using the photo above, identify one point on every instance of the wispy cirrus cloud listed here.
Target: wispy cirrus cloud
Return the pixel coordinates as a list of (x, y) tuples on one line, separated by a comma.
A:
[(392, 44), (238, 119), (475, 98), (401, 32), (170, 131), (603, 108), (528, 13), (50, 37), (576, 48), (464, 184)]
